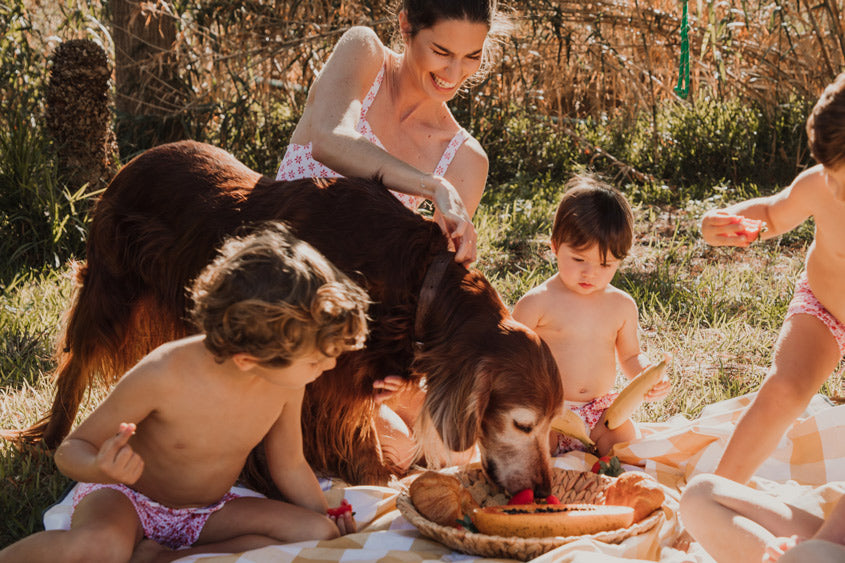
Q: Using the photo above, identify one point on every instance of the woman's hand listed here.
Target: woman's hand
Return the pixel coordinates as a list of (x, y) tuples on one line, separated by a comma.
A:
[(458, 226)]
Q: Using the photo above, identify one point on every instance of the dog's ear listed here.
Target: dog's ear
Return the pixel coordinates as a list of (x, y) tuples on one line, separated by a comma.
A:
[(455, 404)]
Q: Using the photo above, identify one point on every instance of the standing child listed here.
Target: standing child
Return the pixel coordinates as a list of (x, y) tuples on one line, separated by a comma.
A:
[(587, 322), (812, 338), (158, 457)]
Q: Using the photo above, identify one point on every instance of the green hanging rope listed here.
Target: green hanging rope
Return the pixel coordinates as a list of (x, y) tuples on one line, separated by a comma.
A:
[(682, 89)]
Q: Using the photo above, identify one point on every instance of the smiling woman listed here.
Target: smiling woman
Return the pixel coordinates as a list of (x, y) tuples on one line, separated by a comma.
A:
[(378, 113)]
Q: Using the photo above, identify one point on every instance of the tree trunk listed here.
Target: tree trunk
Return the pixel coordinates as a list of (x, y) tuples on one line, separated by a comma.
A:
[(149, 101)]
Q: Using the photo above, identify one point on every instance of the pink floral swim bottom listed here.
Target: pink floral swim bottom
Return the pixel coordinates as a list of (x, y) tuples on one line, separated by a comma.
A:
[(804, 302), (590, 412), (171, 527)]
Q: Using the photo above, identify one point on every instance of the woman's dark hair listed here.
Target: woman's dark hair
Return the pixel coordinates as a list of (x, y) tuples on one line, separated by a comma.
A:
[(423, 14)]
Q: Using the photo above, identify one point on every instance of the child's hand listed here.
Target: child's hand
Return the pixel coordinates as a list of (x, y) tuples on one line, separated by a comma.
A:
[(659, 391), (387, 387), (342, 516), (720, 228), (116, 458)]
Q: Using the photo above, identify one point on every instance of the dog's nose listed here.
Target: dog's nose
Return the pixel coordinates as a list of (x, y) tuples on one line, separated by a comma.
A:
[(542, 491)]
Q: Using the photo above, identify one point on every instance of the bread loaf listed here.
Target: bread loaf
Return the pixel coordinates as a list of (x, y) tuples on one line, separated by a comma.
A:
[(441, 498), (637, 490)]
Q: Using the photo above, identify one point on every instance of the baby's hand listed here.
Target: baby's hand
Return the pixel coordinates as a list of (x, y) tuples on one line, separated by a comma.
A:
[(720, 228), (659, 391), (387, 387), (116, 458)]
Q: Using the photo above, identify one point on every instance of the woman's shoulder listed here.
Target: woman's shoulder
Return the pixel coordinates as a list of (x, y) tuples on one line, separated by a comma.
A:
[(361, 41), (470, 159), (358, 55)]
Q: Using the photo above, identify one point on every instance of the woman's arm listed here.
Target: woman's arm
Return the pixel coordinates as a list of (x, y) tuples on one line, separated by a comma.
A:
[(329, 120)]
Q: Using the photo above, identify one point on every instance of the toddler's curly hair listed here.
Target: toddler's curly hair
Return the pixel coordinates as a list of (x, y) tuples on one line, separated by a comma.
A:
[(276, 298)]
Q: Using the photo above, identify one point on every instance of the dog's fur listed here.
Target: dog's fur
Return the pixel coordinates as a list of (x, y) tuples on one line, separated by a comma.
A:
[(489, 379)]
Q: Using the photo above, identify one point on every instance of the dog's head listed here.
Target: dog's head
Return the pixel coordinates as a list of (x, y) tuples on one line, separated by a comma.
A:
[(495, 383)]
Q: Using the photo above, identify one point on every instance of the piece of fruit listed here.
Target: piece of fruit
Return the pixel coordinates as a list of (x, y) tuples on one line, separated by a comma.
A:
[(571, 424), (340, 510), (525, 496), (632, 396), (607, 465), (551, 499), (752, 228)]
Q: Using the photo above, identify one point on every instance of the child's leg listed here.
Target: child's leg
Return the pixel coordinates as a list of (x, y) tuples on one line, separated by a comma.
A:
[(265, 519), (104, 527), (805, 355), (815, 551), (247, 523), (400, 403), (733, 522), (395, 439)]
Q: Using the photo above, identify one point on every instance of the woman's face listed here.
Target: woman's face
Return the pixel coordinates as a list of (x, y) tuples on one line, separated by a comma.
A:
[(443, 56)]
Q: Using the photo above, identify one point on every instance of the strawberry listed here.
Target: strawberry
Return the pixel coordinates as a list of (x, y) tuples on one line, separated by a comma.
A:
[(525, 496), (340, 510), (607, 465), (752, 228), (551, 499), (597, 465)]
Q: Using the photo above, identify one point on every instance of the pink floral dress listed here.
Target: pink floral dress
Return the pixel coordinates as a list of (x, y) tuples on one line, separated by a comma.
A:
[(299, 162)]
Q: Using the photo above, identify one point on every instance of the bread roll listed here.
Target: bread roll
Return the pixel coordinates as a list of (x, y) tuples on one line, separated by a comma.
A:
[(441, 498), (637, 490)]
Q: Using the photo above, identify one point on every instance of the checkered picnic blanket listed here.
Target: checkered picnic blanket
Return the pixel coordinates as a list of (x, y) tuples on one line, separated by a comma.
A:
[(807, 469)]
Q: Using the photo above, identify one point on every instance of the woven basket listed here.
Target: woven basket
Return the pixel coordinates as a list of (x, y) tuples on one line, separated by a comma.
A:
[(571, 487)]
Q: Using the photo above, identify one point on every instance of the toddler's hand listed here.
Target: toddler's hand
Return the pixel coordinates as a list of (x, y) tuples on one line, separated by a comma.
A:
[(118, 460), (720, 228), (659, 391), (342, 516), (387, 387)]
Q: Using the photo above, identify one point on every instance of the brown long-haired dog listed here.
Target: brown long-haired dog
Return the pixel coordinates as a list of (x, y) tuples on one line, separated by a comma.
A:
[(489, 379)]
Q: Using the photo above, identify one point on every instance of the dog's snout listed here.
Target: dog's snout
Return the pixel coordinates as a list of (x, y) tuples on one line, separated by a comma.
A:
[(542, 491)]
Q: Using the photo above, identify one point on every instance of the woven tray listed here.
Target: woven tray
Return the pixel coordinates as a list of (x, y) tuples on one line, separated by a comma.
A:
[(569, 486)]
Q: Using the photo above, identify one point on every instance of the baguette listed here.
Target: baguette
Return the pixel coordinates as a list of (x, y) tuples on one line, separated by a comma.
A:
[(543, 520)]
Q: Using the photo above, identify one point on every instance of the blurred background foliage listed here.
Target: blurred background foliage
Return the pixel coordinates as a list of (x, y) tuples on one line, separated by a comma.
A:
[(578, 84)]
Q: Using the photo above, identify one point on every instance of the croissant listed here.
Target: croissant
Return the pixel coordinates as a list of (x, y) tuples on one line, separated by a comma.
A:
[(637, 490), (441, 498)]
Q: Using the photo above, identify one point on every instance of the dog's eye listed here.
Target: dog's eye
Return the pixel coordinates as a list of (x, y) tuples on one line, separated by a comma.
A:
[(526, 428)]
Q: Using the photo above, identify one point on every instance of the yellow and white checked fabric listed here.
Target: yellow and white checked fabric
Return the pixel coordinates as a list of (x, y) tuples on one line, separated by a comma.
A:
[(807, 469), (812, 452)]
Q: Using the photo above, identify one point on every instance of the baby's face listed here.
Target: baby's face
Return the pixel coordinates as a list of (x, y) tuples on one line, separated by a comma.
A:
[(582, 271), (835, 179)]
